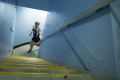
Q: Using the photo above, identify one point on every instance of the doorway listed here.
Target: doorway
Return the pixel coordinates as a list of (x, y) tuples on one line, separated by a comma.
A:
[(25, 21)]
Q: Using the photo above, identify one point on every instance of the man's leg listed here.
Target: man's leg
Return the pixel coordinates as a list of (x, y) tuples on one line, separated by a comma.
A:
[(32, 43)]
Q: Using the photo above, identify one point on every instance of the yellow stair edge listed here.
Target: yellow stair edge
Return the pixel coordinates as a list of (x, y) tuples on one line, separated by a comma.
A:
[(28, 68), (8, 64), (29, 63), (41, 74), (12, 58), (34, 66)]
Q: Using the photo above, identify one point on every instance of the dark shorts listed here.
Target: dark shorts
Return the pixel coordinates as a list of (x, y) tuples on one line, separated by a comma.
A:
[(36, 40)]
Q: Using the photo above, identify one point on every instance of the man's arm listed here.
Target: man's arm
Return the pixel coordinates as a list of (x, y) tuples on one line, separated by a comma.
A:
[(30, 33), (39, 31)]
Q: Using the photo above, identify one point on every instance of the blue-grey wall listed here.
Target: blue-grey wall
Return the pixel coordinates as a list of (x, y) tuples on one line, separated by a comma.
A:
[(58, 51), (60, 11), (93, 41), (7, 23), (116, 34), (90, 41), (36, 4)]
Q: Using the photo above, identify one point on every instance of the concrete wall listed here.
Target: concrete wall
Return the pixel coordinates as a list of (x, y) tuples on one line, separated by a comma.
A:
[(35, 4), (90, 41), (116, 34), (58, 51), (7, 23), (93, 41), (60, 11)]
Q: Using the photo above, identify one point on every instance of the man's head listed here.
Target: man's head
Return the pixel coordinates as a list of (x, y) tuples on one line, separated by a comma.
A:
[(37, 24)]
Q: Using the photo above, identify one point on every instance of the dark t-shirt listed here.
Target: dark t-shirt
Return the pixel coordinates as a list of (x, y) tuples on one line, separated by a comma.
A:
[(36, 35)]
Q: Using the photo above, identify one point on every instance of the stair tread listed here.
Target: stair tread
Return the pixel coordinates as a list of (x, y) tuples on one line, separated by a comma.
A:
[(30, 66)]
